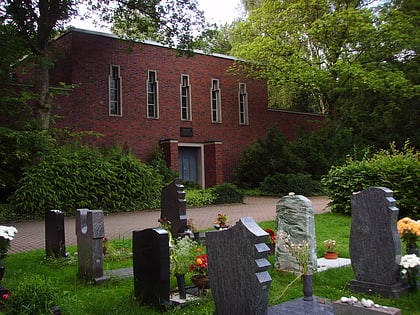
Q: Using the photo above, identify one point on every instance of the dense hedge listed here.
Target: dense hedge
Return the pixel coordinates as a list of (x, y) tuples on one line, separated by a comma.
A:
[(392, 168), (84, 177), (283, 184), (228, 193)]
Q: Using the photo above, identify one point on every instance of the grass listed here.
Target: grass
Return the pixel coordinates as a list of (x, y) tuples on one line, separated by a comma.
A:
[(116, 296)]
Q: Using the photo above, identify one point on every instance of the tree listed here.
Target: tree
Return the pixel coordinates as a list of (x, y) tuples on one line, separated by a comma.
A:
[(173, 22), (326, 51)]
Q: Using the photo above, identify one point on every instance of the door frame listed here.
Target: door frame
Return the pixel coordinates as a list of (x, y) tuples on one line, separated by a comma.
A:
[(200, 160)]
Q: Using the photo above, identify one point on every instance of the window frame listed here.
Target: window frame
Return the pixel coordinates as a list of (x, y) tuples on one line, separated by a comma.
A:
[(243, 104), (185, 86), (153, 81), (215, 101), (115, 76)]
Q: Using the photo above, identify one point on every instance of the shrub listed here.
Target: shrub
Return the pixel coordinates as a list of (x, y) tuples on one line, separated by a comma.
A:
[(33, 295), (83, 177), (158, 162), (394, 169), (199, 197), (227, 193), (282, 184)]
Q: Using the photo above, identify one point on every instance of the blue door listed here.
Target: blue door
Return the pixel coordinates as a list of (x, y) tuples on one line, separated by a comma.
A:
[(188, 164)]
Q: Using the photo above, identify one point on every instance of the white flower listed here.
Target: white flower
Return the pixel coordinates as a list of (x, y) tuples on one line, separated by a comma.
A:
[(410, 261), (7, 232)]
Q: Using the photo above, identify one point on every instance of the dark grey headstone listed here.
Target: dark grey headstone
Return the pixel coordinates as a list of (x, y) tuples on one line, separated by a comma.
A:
[(295, 216), (90, 232), (375, 248), (174, 208), (55, 244), (318, 306), (151, 266), (238, 274)]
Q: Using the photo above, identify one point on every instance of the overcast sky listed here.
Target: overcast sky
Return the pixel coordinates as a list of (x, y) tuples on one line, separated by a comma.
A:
[(215, 11)]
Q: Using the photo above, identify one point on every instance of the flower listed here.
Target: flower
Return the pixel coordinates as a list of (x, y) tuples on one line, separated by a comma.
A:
[(409, 231), (221, 219), (409, 265), (182, 253), (200, 265), (330, 244), (300, 251), (165, 224), (272, 238), (7, 233)]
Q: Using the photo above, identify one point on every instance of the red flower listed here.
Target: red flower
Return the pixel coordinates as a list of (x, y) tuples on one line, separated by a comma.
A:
[(5, 296), (272, 239), (200, 265)]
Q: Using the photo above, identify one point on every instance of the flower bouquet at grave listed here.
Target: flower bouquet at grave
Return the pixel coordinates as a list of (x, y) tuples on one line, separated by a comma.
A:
[(409, 231), (183, 252), (271, 241), (221, 221), (409, 270)]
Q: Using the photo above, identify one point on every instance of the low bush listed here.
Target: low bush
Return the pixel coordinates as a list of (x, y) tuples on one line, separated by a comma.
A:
[(282, 184), (398, 170), (84, 177), (199, 197), (228, 193)]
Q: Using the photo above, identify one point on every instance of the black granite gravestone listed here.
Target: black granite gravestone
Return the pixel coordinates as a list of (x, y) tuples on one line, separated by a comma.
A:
[(238, 274), (375, 248), (174, 207), (90, 232), (55, 245), (151, 266)]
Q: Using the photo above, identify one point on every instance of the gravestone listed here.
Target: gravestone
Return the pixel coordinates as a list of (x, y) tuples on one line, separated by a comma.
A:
[(90, 232), (295, 216), (375, 248), (151, 266), (174, 207), (239, 279), (55, 245)]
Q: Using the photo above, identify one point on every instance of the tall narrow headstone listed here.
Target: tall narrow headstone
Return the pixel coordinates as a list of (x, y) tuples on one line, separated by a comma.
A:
[(237, 260), (151, 266), (55, 245), (174, 207), (375, 248), (295, 216), (90, 232)]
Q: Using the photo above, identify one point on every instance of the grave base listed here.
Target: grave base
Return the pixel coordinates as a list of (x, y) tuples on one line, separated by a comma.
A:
[(387, 291), (358, 309), (318, 306), (100, 279)]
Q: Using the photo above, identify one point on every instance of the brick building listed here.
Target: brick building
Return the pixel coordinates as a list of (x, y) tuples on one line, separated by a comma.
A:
[(140, 95)]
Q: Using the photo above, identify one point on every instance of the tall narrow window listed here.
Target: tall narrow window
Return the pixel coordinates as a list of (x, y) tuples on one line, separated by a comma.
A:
[(215, 102), (243, 104), (185, 98), (152, 95), (115, 91)]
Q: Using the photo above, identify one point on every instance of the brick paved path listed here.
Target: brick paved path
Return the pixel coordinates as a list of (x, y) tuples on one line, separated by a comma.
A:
[(31, 234)]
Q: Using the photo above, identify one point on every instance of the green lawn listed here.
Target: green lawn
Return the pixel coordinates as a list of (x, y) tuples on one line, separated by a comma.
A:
[(36, 277)]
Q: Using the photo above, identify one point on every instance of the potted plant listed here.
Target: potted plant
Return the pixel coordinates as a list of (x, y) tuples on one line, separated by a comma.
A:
[(409, 231), (192, 228), (200, 269), (330, 245), (409, 270), (221, 221)]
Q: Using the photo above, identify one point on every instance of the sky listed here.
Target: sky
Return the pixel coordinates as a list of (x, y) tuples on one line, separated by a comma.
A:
[(215, 11)]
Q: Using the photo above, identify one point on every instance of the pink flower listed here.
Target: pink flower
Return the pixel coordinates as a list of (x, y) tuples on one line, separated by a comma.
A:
[(5, 296)]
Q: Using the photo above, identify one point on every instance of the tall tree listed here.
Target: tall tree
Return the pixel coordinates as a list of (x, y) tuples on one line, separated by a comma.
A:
[(328, 49), (173, 22)]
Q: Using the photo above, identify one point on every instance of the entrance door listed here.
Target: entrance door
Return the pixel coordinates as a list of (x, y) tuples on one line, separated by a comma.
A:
[(188, 164)]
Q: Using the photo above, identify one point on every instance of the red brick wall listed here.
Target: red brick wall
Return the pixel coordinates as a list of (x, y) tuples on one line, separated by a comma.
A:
[(86, 62)]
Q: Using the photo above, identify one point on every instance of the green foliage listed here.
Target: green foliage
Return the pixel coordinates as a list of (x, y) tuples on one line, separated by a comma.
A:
[(398, 170), (228, 193), (158, 162), (199, 197), (81, 177), (35, 294), (282, 184)]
